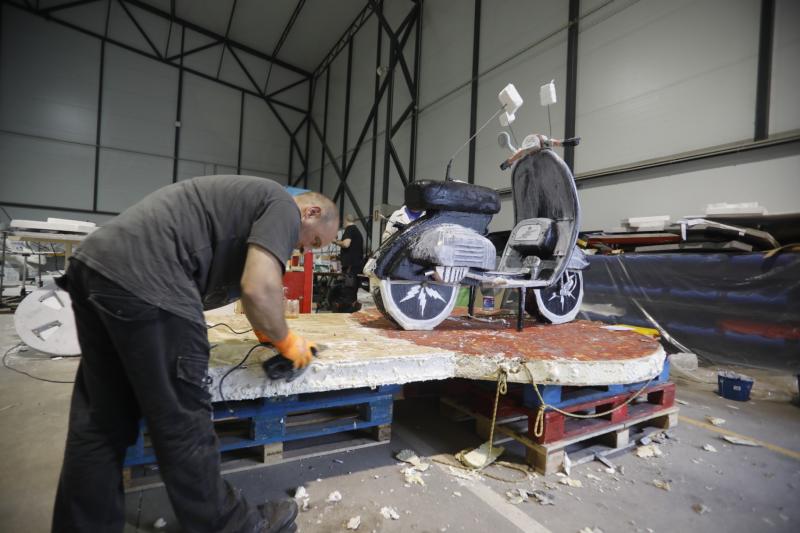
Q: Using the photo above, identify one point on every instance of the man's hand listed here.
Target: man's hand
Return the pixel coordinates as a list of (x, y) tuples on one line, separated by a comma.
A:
[(296, 349)]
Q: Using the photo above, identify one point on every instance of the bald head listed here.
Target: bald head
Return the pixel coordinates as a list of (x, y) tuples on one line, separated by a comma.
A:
[(319, 220), (349, 219)]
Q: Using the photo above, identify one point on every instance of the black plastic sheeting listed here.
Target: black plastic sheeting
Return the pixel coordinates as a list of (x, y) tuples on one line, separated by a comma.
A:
[(739, 309)]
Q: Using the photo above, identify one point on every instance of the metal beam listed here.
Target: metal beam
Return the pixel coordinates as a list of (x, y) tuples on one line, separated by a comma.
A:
[(178, 125), (227, 35), (376, 100), (336, 169), (208, 33), (283, 37), (412, 157), (348, 85), (572, 80), (473, 104), (153, 47), (143, 53), (241, 136), (351, 30), (324, 131), (68, 5), (763, 81), (96, 186)]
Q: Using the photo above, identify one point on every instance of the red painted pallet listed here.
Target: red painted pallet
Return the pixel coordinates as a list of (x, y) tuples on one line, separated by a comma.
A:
[(558, 426), (613, 436)]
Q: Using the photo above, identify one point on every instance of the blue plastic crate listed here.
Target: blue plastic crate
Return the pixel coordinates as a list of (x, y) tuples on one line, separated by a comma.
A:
[(734, 386)]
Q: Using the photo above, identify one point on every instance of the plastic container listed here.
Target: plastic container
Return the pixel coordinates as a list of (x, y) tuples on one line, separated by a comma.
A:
[(734, 386)]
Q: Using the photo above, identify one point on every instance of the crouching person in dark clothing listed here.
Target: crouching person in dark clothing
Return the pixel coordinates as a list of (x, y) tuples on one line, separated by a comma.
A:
[(139, 285)]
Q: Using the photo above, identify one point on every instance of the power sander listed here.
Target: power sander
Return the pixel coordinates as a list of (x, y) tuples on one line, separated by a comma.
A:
[(279, 367)]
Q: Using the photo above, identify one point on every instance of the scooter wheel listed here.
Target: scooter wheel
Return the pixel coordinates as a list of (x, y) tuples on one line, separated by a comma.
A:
[(415, 305), (560, 302)]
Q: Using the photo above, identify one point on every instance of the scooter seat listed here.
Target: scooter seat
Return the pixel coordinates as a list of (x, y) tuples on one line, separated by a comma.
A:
[(451, 196)]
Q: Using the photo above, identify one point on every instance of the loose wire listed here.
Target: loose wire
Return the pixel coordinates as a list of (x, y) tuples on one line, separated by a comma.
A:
[(5, 364)]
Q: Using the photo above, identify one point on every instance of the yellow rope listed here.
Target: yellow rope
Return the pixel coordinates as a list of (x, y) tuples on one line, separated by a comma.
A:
[(538, 426), (502, 388)]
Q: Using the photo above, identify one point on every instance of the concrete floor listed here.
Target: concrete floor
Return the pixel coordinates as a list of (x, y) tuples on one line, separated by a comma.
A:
[(744, 488)]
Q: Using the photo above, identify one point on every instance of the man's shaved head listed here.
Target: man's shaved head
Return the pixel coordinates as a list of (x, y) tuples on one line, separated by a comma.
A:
[(320, 219)]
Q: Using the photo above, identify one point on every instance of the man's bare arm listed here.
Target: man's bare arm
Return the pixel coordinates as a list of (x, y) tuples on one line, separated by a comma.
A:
[(262, 292), (344, 243)]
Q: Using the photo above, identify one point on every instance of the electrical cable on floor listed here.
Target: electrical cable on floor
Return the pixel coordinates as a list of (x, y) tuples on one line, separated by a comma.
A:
[(229, 327), (219, 385), (5, 364)]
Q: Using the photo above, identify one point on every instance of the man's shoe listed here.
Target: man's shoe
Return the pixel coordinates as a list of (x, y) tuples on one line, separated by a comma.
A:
[(279, 516)]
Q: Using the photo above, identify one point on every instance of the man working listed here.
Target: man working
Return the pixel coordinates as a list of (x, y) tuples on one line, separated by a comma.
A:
[(399, 220), (345, 298), (139, 286)]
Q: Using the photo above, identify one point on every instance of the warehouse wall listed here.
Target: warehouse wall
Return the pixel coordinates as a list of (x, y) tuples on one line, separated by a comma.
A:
[(51, 92), (655, 81)]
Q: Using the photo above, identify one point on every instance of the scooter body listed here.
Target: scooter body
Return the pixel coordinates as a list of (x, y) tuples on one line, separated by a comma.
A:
[(417, 271)]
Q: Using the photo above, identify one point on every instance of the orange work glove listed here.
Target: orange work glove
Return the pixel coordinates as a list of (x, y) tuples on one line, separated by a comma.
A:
[(262, 337), (296, 349)]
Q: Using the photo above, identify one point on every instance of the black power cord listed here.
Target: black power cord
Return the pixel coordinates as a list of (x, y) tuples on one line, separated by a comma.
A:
[(230, 370), (5, 364), (229, 327)]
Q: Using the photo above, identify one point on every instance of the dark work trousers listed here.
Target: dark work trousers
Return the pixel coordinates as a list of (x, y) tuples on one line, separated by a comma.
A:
[(140, 361)]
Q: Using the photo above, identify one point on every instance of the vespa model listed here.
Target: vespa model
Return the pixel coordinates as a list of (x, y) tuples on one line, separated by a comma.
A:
[(417, 272)]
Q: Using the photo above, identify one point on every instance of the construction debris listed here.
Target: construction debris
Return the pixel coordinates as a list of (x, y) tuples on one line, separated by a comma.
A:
[(517, 496), (709, 448), (544, 498), (699, 508), (160, 524), (715, 421), (480, 457), (646, 452), (661, 484), (591, 530), (354, 522), (740, 441), (571, 482), (390, 513), (412, 476), (334, 496)]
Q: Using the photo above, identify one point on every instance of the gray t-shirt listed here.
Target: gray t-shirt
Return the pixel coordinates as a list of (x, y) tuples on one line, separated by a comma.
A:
[(183, 247)]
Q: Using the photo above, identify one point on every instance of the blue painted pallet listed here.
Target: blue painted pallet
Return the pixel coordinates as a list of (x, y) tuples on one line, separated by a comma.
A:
[(270, 419), (564, 397)]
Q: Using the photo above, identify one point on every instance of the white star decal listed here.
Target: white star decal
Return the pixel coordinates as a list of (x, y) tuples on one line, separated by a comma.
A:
[(422, 294)]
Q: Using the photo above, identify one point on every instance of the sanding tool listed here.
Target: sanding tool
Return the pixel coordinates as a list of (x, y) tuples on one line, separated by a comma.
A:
[(279, 367)]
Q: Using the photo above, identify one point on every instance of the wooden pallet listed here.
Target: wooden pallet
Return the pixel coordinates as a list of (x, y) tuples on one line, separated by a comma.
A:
[(548, 458), (276, 430)]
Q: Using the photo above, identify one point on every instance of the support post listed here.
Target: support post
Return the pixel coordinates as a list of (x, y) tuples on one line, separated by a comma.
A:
[(473, 106), (176, 148), (764, 77), (572, 81)]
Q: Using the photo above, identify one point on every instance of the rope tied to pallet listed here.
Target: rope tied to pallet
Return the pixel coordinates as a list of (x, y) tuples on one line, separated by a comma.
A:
[(502, 388), (538, 426)]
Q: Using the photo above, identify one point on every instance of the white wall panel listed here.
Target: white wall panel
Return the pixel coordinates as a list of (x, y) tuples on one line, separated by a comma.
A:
[(210, 121), (773, 183), (125, 178), (140, 99), (441, 129), (509, 26), (660, 78), (36, 171), (785, 98), (265, 145), (122, 28), (50, 78), (191, 169), (447, 49)]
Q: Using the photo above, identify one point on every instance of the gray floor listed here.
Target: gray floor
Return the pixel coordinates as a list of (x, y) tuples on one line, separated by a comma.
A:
[(745, 489)]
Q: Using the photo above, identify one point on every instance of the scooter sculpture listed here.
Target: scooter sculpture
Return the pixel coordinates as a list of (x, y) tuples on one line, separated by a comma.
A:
[(418, 271)]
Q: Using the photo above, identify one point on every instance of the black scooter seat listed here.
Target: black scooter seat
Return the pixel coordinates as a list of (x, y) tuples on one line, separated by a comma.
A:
[(427, 195)]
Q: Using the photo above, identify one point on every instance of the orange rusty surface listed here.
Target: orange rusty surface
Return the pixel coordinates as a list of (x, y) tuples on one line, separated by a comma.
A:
[(580, 340)]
